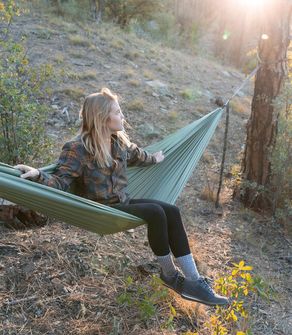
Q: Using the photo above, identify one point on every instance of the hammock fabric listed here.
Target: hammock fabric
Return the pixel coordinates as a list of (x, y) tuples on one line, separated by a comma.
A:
[(163, 181)]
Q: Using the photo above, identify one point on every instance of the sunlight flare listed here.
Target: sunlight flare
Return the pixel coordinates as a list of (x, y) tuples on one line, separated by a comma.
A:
[(250, 3)]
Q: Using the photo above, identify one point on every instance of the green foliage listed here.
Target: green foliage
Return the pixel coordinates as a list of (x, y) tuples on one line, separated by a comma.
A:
[(161, 28), (144, 299), (123, 11), (71, 9), (22, 113), (118, 11), (281, 158), (250, 61), (164, 28), (191, 94), (241, 286)]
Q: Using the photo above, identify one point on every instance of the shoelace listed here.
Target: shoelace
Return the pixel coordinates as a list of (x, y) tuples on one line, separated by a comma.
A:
[(208, 280), (204, 281)]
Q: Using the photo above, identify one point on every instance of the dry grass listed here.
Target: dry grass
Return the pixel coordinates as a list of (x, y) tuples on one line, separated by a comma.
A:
[(239, 105), (148, 74), (66, 26), (134, 82), (173, 115), (75, 93), (87, 75), (78, 40), (59, 58), (208, 193), (129, 73), (132, 54), (117, 44), (136, 104), (70, 273), (77, 54)]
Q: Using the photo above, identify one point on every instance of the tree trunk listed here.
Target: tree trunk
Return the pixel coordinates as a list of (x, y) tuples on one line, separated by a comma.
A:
[(98, 9), (262, 124)]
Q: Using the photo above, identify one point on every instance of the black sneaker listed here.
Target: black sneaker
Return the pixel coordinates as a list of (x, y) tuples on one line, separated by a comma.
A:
[(175, 282), (194, 290)]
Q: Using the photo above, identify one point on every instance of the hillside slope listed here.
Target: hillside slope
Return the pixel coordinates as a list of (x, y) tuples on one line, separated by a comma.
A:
[(59, 279)]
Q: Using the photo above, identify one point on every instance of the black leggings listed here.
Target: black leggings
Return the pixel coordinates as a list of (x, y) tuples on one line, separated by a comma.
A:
[(165, 227)]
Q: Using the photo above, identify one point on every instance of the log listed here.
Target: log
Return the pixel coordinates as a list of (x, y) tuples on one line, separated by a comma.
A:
[(17, 217)]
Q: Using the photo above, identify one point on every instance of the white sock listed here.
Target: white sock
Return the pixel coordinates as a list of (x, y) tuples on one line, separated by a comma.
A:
[(188, 266), (167, 266)]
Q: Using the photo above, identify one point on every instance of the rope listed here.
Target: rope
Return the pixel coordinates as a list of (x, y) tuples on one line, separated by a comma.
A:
[(242, 85), (226, 105), (223, 155)]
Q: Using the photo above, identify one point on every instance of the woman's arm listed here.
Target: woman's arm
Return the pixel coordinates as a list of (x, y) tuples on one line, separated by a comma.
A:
[(139, 157), (69, 167)]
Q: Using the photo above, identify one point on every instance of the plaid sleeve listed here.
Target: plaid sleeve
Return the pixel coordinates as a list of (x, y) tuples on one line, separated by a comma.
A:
[(139, 157), (69, 167)]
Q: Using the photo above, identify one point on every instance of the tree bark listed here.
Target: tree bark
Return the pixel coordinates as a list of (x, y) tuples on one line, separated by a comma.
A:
[(262, 124)]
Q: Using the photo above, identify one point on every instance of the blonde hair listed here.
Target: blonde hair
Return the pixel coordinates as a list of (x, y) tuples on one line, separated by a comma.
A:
[(94, 130)]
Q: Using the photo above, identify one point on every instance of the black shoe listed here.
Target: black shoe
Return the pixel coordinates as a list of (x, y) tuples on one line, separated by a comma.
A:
[(175, 282), (194, 290)]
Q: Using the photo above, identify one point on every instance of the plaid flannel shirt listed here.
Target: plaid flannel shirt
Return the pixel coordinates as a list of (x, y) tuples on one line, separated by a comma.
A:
[(105, 185)]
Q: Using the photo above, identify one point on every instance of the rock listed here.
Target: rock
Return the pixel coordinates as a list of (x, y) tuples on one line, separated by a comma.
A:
[(114, 84), (219, 101), (208, 94), (227, 74), (82, 64), (158, 86), (59, 124), (65, 113), (237, 75), (148, 130), (170, 96)]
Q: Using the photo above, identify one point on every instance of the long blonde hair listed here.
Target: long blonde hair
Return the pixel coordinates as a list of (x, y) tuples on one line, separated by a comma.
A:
[(94, 130)]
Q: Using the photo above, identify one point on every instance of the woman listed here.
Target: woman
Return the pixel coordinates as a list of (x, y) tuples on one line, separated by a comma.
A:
[(96, 160)]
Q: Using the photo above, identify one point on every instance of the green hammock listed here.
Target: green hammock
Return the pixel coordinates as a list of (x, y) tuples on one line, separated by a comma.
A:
[(163, 181)]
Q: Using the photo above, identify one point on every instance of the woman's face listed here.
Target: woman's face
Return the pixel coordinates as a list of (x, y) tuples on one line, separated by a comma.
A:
[(116, 118)]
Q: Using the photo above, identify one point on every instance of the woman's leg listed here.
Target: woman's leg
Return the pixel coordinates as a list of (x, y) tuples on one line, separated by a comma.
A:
[(177, 237), (164, 220), (156, 219), (157, 231)]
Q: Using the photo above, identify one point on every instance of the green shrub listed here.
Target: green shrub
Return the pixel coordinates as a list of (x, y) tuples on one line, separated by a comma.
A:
[(242, 287), (123, 11), (142, 298), (71, 9), (191, 94), (22, 111)]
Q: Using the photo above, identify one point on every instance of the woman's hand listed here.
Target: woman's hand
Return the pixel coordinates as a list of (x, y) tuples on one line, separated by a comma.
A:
[(158, 156), (29, 172)]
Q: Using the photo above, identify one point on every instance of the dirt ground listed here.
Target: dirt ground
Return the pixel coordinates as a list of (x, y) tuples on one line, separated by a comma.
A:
[(59, 279)]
